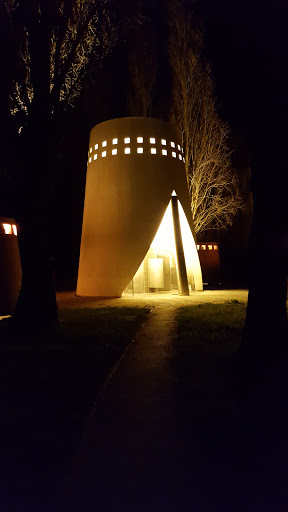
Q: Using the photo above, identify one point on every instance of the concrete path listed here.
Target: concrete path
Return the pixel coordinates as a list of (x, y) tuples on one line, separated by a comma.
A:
[(134, 454)]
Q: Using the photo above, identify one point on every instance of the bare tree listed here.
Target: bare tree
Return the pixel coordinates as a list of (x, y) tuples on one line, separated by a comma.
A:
[(50, 46), (213, 185)]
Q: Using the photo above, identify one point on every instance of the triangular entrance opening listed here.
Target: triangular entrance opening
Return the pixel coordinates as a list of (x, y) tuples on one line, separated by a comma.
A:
[(172, 262)]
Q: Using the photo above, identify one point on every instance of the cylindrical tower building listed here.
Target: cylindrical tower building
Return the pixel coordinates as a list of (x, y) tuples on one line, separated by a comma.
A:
[(134, 165)]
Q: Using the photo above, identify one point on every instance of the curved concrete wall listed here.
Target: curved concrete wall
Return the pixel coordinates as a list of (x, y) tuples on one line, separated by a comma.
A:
[(10, 266), (134, 164)]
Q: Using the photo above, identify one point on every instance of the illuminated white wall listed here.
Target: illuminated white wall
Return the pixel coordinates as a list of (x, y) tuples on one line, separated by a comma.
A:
[(134, 164)]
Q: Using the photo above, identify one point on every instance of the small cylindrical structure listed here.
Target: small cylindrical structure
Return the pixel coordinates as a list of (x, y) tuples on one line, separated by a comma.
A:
[(10, 266)]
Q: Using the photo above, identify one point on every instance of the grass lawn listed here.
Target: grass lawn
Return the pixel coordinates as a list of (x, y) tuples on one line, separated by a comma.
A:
[(207, 339), (48, 387)]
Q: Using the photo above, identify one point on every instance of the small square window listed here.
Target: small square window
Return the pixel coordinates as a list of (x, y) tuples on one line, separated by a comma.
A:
[(163, 142), (164, 152), (172, 144), (203, 247), (139, 150), (152, 140), (114, 151), (104, 153), (90, 160), (215, 247), (173, 154), (198, 247), (104, 143), (127, 151), (140, 140), (96, 146), (7, 229), (90, 150), (95, 156), (179, 147), (153, 151), (14, 229), (127, 140), (210, 247), (180, 157), (114, 141)]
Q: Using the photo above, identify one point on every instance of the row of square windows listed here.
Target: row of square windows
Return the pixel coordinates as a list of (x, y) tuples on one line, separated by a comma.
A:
[(127, 151), (140, 140), (9, 229), (210, 247)]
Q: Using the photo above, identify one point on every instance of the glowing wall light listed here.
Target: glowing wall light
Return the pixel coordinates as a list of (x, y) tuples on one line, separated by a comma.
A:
[(140, 140), (7, 229)]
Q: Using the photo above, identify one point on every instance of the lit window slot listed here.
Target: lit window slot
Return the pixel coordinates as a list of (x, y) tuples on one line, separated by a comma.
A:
[(104, 153), (90, 150), (114, 151), (198, 247), (164, 152), (153, 151), (127, 140), (180, 157), (173, 154), (95, 156), (127, 151), (14, 229), (163, 142), (203, 247), (104, 143), (179, 148), (90, 160), (139, 150), (96, 147), (152, 140), (114, 141), (215, 248), (7, 229), (182, 150), (140, 140), (210, 247), (172, 144)]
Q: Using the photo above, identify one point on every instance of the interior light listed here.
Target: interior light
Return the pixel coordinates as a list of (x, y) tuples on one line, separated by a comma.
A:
[(104, 153), (198, 247), (173, 154), (104, 143), (96, 146), (90, 160), (140, 140), (127, 140), (179, 147), (7, 229), (95, 156), (210, 247), (152, 140), (172, 144), (139, 150), (215, 247), (14, 227), (90, 150), (203, 247), (127, 151), (163, 142), (164, 152), (153, 151), (115, 141), (114, 151), (180, 157)]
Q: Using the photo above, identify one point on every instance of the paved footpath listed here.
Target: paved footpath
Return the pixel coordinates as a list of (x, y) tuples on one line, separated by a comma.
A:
[(134, 450)]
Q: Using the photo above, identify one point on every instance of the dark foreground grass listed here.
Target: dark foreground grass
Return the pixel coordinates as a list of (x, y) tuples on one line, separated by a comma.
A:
[(208, 338), (47, 389)]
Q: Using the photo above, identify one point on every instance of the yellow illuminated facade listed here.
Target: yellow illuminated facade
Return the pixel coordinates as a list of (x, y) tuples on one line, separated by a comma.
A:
[(129, 239)]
